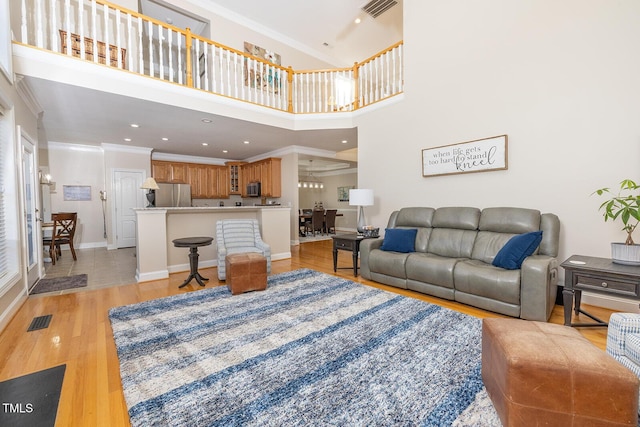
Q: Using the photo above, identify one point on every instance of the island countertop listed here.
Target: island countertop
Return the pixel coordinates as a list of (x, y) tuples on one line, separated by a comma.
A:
[(156, 228)]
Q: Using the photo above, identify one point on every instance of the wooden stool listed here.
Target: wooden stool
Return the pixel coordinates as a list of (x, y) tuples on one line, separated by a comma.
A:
[(539, 373), (193, 243), (246, 272)]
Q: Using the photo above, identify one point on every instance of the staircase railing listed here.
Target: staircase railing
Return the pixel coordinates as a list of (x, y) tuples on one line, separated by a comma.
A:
[(110, 35)]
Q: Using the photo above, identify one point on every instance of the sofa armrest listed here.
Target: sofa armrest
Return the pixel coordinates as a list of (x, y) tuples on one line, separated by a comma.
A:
[(366, 246), (538, 287)]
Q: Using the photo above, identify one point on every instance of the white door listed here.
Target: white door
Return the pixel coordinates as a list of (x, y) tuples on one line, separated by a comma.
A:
[(127, 196), (31, 213)]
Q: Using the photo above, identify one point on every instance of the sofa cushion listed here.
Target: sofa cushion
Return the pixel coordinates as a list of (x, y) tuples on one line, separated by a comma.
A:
[(509, 220), (451, 242), (517, 249), (399, 240), (432, 269), (478, 278), (456, 217), (388, 263)]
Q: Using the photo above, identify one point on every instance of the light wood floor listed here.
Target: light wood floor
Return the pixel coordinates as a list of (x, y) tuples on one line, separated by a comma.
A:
[(80, 335)]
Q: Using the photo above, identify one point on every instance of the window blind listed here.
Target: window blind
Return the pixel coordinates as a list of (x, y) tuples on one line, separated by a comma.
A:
[(4, 149)]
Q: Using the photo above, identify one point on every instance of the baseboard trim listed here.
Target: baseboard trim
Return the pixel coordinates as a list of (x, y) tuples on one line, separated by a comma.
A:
[(610, 302), (153, 275)]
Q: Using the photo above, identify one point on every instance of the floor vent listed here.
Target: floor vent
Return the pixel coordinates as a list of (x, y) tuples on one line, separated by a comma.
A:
[(376, 8), (40, 322)]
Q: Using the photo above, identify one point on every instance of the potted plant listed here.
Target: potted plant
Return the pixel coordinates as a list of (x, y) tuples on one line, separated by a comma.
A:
[(625, 206)]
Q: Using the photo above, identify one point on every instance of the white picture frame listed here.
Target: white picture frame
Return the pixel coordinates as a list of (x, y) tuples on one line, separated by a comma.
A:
[(480, 155)]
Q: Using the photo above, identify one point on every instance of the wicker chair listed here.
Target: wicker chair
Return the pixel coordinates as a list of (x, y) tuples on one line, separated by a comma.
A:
[(235, 236)]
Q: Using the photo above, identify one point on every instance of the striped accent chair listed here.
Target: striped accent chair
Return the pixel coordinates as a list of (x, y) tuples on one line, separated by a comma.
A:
[(623, 340), (235, 236)]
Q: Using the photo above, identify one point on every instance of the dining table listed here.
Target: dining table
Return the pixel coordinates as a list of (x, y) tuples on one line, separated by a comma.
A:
[(310, 215)]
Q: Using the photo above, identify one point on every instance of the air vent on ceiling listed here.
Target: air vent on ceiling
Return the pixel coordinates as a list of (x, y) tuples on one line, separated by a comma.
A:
[(376, 8)]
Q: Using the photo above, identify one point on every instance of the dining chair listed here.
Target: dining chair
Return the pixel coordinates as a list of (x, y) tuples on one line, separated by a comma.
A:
[(330, 221), (307, 221), (317, 221), (63, 232)]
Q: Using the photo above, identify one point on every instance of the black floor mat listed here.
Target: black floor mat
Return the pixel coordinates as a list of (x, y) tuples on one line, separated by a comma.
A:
[(31, 400)]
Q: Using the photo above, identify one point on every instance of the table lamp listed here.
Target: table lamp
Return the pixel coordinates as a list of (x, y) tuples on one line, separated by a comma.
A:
[(361, 197), (151, 185)]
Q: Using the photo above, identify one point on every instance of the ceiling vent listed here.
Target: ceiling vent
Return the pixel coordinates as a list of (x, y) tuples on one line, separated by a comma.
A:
[(376, 8)]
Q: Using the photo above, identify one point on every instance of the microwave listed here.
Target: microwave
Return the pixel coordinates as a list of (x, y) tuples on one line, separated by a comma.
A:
[(253, 189)]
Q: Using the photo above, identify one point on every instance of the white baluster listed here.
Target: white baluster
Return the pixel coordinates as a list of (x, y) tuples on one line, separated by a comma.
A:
[(39, 24), (150, 27), (118, 40), (170, 46), (228, 64), (160, 53), (24, 35), (180, 72), (107, 48), (205, 51), (81, 29), (67, 26), (94, 29), (214, 68), (52, 26), (129, 41), (140, 52)]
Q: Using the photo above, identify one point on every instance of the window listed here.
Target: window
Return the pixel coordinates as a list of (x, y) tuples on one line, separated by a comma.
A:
[(9, 244)]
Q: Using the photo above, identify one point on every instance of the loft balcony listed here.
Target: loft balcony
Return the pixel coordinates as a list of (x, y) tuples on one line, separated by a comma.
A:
[(110, 36)]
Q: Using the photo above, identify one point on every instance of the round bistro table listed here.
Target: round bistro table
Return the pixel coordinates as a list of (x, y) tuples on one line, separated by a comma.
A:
[(193, 243)]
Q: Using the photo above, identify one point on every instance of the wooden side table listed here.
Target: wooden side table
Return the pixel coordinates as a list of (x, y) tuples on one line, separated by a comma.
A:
[(347, 242), (599, 275)]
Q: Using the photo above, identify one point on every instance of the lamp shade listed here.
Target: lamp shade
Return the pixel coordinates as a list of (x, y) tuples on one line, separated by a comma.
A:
[(361, 197), (150, 184)]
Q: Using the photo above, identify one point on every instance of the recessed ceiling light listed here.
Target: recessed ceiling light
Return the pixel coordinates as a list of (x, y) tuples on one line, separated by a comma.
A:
[(205, 144), (344, 141), (165, 139), (358, 20), (128, 139), (246, 142), (206, 120), (135, 125)]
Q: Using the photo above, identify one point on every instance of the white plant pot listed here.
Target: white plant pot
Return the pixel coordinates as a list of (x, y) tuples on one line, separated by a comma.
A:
[(625, 254)]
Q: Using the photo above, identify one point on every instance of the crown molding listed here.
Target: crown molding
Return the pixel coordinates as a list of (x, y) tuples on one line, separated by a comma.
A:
[(53, 145), (26, 94), (126, 148), (188, 159)]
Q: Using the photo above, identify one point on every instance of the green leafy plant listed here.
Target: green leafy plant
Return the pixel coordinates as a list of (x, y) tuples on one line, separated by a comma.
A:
[(623, 205)]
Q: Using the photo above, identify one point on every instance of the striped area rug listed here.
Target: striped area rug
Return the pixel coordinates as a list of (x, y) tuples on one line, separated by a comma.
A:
[(312, 349)]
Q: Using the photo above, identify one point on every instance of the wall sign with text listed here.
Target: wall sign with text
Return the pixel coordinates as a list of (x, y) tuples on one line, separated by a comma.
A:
[(480, 155)]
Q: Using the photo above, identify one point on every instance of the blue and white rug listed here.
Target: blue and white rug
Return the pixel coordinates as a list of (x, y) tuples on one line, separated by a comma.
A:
[(312, 349)]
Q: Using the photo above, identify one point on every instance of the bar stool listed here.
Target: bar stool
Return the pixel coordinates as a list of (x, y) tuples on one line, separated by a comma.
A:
[(193, 243)]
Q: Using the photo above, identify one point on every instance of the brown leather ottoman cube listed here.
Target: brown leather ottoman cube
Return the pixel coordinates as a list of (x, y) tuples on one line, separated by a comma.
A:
[(246, 272), (539, 373)]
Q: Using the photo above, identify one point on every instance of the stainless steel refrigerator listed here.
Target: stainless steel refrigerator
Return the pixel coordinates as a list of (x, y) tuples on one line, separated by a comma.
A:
[(173, 195)]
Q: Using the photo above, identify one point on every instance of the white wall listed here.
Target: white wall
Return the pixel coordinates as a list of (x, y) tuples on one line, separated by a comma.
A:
[(559, 78)]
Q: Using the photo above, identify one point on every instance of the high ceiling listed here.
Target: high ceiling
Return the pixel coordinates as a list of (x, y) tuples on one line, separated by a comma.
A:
[(95, 117)]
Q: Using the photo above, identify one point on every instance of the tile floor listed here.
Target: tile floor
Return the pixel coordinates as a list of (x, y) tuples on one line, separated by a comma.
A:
[(103, 267)]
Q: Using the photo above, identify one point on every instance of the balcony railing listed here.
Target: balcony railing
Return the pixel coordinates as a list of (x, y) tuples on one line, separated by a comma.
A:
[(94, 30)]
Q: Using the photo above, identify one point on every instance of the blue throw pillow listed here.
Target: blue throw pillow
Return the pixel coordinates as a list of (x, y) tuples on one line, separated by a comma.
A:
[(399, 239), (517, 249)]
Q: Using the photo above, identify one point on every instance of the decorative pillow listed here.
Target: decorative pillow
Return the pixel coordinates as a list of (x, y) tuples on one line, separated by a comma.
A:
[(399, 239), (517, 249)]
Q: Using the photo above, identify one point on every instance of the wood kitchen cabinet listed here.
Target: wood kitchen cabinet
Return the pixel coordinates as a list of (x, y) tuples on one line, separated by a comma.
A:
[(267, 172), (171, 172), (234, 180)]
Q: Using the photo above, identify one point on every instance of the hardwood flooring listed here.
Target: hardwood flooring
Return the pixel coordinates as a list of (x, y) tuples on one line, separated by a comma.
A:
[(80, 334)]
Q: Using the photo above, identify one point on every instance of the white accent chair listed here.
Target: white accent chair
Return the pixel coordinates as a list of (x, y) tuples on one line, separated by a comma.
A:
[(238, 236), (623, 340)]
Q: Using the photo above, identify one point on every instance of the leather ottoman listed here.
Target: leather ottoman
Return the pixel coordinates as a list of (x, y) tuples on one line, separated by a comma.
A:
[(246, 272), (538, 373)]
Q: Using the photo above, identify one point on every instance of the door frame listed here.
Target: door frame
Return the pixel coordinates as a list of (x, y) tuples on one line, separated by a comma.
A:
[(113, 205), (36, 271)]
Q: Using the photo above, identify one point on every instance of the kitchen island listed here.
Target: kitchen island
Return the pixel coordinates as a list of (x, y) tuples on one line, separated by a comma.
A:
[(157, 227)]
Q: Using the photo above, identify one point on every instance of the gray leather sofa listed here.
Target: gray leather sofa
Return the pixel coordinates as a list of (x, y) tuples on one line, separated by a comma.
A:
[(454, 250)]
